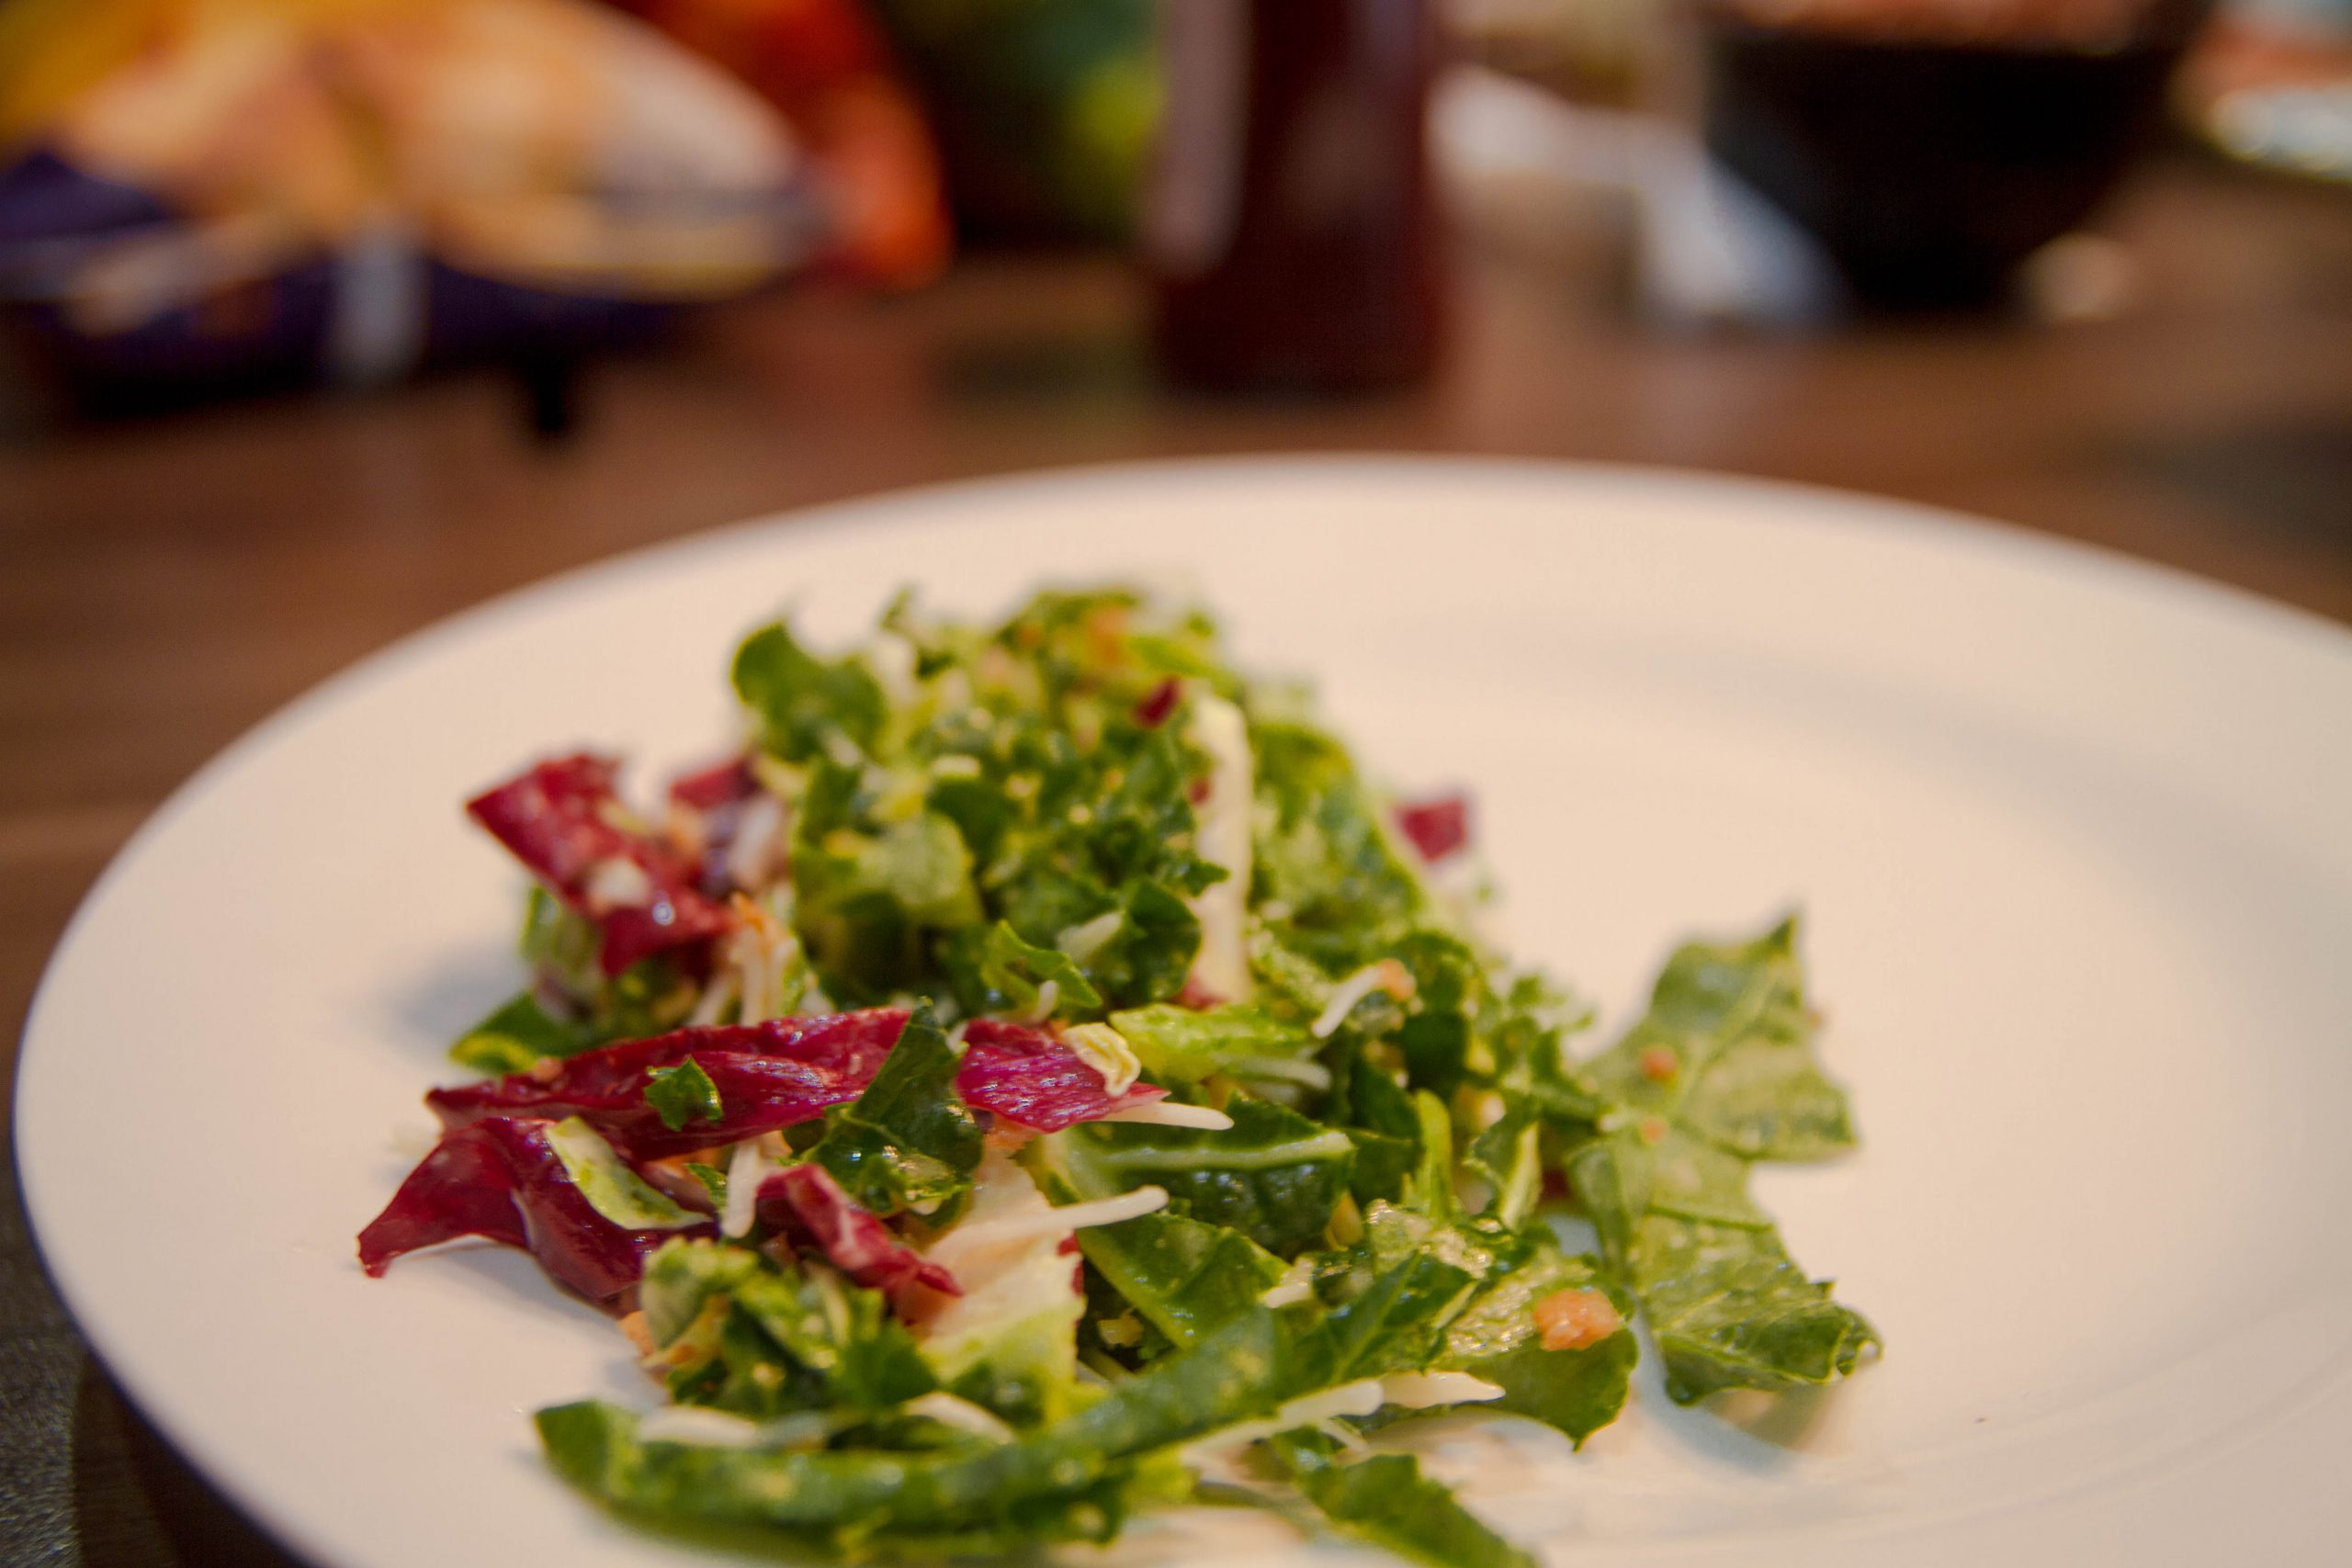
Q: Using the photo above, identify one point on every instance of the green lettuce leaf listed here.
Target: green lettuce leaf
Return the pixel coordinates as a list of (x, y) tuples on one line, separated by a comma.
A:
[(1497, 1337), (1726, 1048), (906, 1142), (1184, 1045), (1187, 1278), (1397, 1322), (798, 699), (995, 974), (1324, 855), (1074, 1472), (1381, 1120), (1729, 1310), (649, 996), (1718, 1073), (612, 1189), (1146, 959), (1386, 1499), (513, 1038), (738, 1333), (682, 1093), (870, 902), (1274, 1176)]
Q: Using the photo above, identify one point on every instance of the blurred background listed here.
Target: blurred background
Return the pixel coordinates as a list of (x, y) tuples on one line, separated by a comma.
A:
[(322, 318)]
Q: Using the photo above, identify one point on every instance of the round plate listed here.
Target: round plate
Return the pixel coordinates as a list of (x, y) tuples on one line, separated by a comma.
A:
[(2070, 834)]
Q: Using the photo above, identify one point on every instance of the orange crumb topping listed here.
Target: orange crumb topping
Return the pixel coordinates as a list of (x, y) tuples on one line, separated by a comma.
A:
[(1573, 1319)]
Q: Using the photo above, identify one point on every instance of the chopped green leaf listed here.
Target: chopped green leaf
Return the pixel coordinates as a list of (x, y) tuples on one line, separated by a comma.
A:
[(906, 1142), (612, 1189), (682, 1093), (713, 1179), (1729, 1310), (516, 1036), (1184, 1045), (998, 974), (738, 1333), (1386, 1500), (869, 902), (1187, 1278), (1497, 1337), (1720, 1071), (1274, 1175), (799, 699)]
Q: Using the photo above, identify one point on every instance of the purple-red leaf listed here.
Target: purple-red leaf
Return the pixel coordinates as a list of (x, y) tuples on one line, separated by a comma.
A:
[(501, 1179), (806, 1204), (722, 783), (563, 820), (767, 1076), (1437, 827), (1158, 703), (1028, 1077), (709, 809)]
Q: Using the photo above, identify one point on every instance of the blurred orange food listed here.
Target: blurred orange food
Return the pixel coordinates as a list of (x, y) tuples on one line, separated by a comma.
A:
[(826, 66)]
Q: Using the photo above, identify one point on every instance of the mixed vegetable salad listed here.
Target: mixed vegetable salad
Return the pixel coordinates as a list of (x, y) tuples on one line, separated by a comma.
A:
[(1040, 1080)]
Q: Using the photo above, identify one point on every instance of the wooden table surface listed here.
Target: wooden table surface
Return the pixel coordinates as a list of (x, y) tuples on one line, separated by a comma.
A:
[(165, 583)]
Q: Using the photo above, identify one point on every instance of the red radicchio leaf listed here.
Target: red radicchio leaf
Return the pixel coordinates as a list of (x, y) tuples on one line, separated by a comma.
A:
[(1438, 827), (768, 1075), (711, 802), (806, 1203), (499, 1179), (1027, 1075), (722, 783), (1158, 703), (562, 820)]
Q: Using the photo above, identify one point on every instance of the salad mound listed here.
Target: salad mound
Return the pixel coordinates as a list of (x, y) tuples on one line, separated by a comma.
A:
[(1040, 1080)]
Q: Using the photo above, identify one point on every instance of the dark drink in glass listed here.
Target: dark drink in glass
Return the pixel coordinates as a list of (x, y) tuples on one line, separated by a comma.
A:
[(1291, 229)]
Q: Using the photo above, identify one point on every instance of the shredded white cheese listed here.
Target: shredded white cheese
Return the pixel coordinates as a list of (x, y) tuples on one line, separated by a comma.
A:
[(700, 1425), (617, 883), (963, 1414), (1006, 1254), (1296, 1285), (1169, 1113), (715, 999), (1348, 993), (745, 1170), (979, 1234), (1313, 1075), (752, 855), (1418, 1390), (1221, 966), (1106, 1050), (705, 1427), (1359, 1398), (1080, 942)]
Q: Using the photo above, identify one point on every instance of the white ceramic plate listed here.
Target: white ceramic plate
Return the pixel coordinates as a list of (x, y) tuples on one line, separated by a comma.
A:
[(2071, 835)]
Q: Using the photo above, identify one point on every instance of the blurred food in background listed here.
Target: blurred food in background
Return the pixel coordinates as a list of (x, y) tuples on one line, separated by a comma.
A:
[(1044, 109), (1595, 51), (2271, 84), (826, 66), (217, 193)]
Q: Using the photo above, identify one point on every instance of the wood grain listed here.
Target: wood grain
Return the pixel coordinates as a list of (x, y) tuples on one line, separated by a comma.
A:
[(165, 583)]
